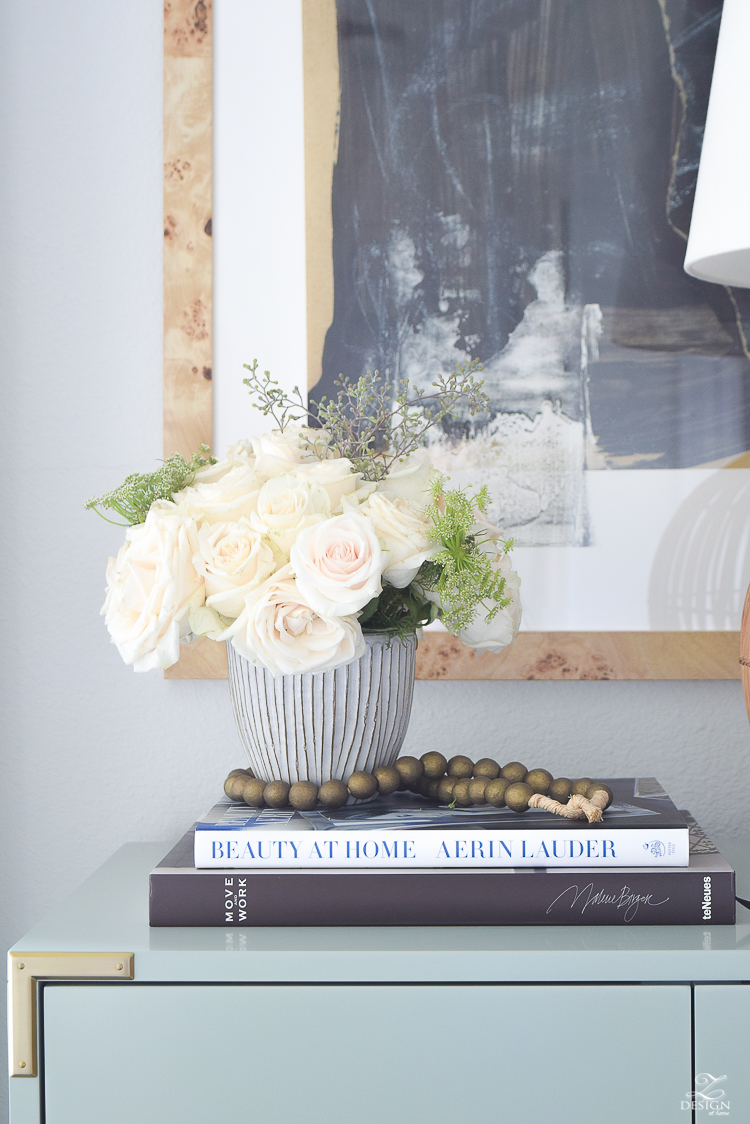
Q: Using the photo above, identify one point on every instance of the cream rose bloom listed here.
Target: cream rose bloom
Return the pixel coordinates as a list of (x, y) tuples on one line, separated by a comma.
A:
[(404, 534), (336, 476), (152, 586), (286, 505), (233, 559), (225, 500), (501, 630), (280, 450), (338, 564), (239, 454), (279, 630), (410, 478)]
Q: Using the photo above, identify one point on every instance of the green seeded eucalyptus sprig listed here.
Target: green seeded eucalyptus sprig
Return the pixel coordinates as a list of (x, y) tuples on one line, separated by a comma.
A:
[(372, 422), (269, 398), (135, 495)]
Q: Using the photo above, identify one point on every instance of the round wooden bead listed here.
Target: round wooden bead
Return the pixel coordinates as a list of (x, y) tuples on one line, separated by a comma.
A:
[(460, 766), (597, 786), (333, 794), (409, 769), (428, 786), (560, 789), (477, 788), (233, 786), (252, 792), (486, 767), (303, 795), (461, 792), (517, 796), (445, 789), (494, 793), (539, 780), (362, 785), (244, 772), (276, 794), (434, 764), (388, 779), (579, 787), (514, 771)]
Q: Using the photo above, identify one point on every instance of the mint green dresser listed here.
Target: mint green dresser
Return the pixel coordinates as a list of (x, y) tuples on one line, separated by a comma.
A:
[(116, 1023)]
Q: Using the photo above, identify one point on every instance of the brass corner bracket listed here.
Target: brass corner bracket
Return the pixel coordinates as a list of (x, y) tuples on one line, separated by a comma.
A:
[(24, 969)]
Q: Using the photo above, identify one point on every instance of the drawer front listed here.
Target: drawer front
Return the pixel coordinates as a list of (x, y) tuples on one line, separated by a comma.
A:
[(327, 1054), (722, 1050)]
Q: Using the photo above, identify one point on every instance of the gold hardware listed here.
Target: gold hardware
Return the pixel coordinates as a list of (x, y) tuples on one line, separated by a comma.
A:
[(22, 999)]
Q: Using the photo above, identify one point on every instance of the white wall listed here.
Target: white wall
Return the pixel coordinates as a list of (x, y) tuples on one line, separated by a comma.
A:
[(93, 755)]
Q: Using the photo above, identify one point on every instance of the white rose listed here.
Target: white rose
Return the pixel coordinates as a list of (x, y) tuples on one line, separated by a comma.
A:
[(233, 559), (279, 630), (286, 505), (352, 501), (337, 476), (241, 453), (151, 587), (410, 478), (501, 630), (281, 449), (338, 564), (405, 535), (225, 500)]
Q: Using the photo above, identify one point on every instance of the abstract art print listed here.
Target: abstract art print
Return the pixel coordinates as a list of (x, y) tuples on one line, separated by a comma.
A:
[(511, 182)]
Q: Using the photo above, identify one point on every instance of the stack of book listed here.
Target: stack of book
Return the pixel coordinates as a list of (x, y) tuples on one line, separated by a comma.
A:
[(398, 861)]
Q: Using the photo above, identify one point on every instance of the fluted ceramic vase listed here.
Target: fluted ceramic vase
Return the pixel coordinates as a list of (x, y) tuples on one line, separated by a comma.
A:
[(329, 725)]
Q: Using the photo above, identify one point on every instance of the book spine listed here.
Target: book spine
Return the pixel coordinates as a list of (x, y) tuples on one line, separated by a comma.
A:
[(593, 897), (592, 847)]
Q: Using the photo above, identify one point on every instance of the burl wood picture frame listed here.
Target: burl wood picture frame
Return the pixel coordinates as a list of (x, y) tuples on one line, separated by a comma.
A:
[(646, 655)]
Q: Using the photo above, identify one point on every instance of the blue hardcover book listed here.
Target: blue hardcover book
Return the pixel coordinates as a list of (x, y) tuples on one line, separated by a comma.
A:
[(641, 828)]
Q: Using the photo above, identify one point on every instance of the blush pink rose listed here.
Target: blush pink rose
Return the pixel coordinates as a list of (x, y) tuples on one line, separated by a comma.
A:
[(338, 564), (279, 630)]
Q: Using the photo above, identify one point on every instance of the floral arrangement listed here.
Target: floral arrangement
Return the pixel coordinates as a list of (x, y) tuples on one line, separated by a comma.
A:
[(302, 538)]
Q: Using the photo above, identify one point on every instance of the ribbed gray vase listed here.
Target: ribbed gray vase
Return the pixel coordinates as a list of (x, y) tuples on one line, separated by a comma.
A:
[(326, 726)]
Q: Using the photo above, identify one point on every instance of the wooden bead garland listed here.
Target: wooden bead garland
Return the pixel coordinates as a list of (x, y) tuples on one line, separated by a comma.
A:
[(459, 782)]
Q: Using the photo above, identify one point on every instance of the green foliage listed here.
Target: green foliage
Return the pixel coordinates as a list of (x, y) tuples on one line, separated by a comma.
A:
[(135, 495), (462, 572), (398, 611), (372, 422), (269, 398)]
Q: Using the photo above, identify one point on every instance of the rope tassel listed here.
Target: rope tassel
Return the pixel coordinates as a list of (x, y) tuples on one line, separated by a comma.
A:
[(577, 808)]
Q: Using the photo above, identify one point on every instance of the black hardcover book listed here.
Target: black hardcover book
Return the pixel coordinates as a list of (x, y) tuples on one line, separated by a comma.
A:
[(699, 894)]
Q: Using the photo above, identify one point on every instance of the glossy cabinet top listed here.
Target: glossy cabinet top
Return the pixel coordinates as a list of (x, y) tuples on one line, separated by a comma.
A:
[(110, 912)]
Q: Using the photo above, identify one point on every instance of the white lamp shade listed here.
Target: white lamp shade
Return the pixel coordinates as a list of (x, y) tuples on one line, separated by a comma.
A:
[(718, 246)]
